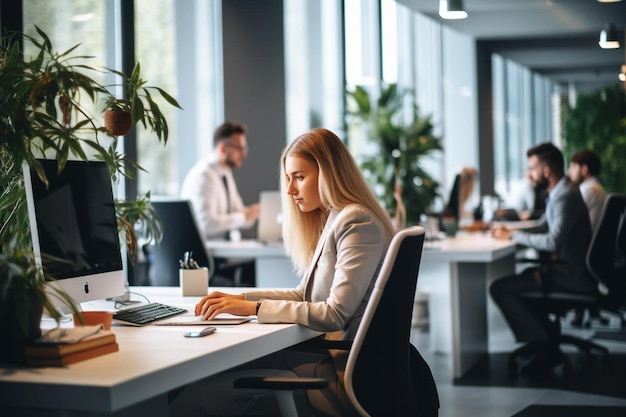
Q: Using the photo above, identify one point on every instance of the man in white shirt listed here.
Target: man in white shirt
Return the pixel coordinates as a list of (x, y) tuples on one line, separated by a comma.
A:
[(211, 189), (217, 205), (583, 170)]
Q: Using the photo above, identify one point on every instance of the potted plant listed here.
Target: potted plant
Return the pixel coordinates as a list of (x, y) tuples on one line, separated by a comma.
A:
[(44, 110), (394, 170), (121, 113)]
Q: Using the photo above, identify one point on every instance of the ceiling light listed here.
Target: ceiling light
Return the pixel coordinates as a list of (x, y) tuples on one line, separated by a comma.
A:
[(609, 1), (608, 37), (452, 9), (622, 75)]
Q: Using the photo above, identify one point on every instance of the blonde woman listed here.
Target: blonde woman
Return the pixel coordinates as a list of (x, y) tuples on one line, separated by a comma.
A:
[(336, 233)]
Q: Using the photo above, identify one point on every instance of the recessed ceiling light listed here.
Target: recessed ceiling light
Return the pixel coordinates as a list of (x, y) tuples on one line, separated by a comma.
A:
[(608, 37), (452, 9)]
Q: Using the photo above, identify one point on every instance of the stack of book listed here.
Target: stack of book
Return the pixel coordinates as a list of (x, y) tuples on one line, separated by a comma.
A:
[(60, 354)]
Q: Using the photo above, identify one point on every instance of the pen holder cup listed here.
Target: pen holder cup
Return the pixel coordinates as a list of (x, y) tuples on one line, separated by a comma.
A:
[(194, 282)]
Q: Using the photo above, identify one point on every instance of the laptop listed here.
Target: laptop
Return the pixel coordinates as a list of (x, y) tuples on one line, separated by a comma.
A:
[(269, 226)]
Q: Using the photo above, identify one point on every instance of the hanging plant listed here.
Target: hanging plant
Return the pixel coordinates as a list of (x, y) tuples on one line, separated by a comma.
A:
[(117, 122), (122, 113)]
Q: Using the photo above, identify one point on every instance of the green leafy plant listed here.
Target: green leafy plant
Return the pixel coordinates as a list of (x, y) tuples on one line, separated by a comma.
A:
[(394, 171), (44, 110), (598, 122), (140, 105)]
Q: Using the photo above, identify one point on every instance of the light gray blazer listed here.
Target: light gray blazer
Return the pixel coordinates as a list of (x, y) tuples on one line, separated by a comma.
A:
[(333, 293), (564, 230)]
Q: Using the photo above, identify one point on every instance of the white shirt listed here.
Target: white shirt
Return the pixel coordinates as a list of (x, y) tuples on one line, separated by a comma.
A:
[(593, 193), (204, 188)]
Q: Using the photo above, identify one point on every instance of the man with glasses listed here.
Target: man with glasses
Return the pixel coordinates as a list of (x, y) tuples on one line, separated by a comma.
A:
[(211, 188), (217, 205)]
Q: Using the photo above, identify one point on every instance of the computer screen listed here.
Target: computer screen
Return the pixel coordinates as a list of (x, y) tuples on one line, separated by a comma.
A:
[(74, 229), (269, 228)]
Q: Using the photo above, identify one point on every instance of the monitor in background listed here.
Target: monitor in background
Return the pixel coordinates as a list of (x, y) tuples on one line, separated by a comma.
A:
[(270, 217), (73, 220)]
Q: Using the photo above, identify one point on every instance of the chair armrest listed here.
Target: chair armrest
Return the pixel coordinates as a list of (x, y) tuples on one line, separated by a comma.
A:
[(280, 383)]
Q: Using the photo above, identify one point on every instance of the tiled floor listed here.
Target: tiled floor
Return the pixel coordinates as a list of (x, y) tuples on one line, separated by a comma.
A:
[(493, 399)]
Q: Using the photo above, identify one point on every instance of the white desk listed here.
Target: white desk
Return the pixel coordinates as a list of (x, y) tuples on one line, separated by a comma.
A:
[(151, 361), (273, 268), (455, 272)]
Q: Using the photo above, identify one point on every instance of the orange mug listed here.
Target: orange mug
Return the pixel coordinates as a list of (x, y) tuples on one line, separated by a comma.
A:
[(93, 318)]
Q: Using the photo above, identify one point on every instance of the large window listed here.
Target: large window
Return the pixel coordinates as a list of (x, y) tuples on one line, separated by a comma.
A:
[(522, 109), (313, 66), (155, 39), (177, 46), (362, 60), (72, 22)]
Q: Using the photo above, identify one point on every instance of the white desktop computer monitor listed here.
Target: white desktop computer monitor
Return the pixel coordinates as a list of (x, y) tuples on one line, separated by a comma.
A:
[(74, 230)]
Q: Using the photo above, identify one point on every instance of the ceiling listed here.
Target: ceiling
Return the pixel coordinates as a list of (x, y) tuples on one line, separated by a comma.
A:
[(556, 38)]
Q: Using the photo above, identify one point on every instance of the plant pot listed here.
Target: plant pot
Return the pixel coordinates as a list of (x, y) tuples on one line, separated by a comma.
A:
[(14, 336), (117, 122)]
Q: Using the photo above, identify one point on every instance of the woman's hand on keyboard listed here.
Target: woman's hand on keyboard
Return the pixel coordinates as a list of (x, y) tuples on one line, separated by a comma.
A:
[(218, 302)]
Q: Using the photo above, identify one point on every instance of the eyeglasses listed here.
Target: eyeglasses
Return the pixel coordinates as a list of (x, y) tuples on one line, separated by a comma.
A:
[(238, 147)]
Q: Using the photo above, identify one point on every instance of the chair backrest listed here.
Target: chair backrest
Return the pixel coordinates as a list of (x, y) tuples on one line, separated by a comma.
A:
[(384, 376), (601, 256), (180, 234)]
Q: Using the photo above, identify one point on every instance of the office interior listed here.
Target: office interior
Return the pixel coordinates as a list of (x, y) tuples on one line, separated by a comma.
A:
[(494, 85), (492, 90)]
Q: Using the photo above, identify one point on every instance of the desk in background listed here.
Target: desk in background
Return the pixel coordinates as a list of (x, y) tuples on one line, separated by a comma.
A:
[(272, 267), (456, 273), (152, 360)]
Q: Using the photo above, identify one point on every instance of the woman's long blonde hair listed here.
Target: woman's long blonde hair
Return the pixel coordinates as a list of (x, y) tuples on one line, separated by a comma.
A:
[(340, 183)]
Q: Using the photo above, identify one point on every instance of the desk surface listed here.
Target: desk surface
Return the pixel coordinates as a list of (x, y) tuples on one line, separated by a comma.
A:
[(151, 361), (245, 248), (468, 247)]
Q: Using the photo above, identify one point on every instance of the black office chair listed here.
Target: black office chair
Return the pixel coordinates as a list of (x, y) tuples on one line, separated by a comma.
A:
[(180, 234), (601, 263), (385, 375), (606, 262), (621, 261)]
